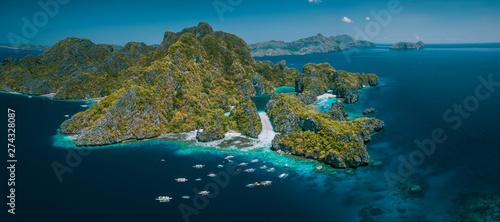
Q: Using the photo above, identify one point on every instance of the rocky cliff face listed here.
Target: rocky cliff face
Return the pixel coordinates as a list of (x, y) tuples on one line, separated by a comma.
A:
[(123, 120), (185, 84), (306, 132), (73, 68), (317, 78), (337, 112), (313, 44), (246, 118), (258, 84), (214, 128), (408, 45), (346, 85)]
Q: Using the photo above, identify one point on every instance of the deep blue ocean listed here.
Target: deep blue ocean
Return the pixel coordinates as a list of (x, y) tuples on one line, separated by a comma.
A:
[(120, 183)]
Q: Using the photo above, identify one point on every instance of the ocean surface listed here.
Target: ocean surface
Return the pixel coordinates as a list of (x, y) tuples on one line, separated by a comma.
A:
[(121, 182)]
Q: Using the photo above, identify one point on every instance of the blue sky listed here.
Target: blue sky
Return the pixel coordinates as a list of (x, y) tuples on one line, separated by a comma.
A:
[(121, 21)]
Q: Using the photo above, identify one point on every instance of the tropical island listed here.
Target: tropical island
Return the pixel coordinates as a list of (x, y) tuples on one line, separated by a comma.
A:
[(313, 44), (408, 45), (188, 83)]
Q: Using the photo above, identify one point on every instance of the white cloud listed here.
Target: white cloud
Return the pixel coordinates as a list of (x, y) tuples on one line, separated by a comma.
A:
[(418, 37), (315, 1), (346, 20), (367, 18)]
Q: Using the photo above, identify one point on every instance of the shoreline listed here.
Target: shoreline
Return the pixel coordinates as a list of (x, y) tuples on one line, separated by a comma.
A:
[(51, 97)]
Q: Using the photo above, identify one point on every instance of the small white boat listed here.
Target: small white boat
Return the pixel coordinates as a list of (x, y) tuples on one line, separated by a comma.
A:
[(251, 170), (319, 167), (228, 157), (181, 180), (283, 175), (220, 166), (263, 167), (198, 179), (84, 105), (243, 164), (270, 170), (163, 199), (204, 193), (212, 175), (266, 183), (250, 185), (186, 197), (30, 97), (255, 161), (162, 160), (287, 165), (198, 166), (66, 116)]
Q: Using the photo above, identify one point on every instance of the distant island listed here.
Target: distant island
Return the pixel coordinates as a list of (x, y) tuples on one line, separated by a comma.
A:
[(26, 46), (197, 80), (407, 45), (313, 44)]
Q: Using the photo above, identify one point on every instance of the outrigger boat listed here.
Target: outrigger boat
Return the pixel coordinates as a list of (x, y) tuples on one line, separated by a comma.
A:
[(181, 180), (204, 193), (255, 161), (198, 166), (266, 183), (284, 175), (163, 199), (220, 166), (270, 169), (212, 175), (186, 197), (229, 157), (243, 164), (263, 167), (198, 179), (251, 170)]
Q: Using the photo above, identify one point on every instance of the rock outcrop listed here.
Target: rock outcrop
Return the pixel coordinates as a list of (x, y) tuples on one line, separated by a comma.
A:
[(214, 128), (346, 85), (408, 45), (258, 85), (248, 89), (368, 111), (247, 118), (124, 120), (317, 78), (337, 112), (306, 132), (73, 68)]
